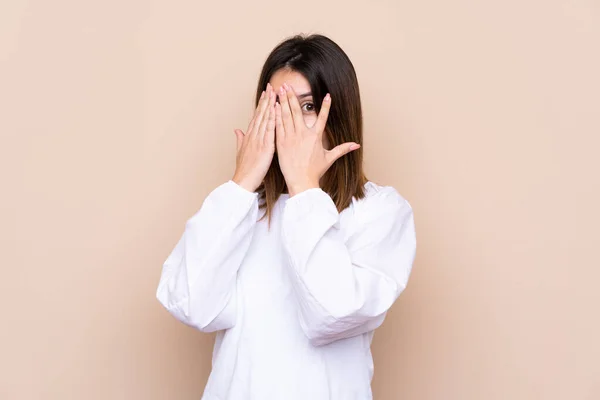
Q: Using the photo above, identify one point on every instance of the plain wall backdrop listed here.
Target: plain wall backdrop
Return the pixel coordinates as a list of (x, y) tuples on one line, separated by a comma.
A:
[(117, 120)]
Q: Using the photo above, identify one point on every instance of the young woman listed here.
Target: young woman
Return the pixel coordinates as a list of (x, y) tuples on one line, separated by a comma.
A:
[(295, 260)]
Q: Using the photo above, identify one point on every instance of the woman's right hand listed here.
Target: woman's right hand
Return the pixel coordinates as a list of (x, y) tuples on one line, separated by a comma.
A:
[(256, 147)]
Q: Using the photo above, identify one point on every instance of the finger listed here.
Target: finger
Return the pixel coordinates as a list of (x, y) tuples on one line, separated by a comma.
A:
[(240, 138), (256, 112), (263, 125), (323, 114), (286, 113), (270, 134), (262, 112), (279, 130), (295, 109), (340, 150)]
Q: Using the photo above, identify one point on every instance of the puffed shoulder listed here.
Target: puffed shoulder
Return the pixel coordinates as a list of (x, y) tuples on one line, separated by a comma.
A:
[(380, 199)]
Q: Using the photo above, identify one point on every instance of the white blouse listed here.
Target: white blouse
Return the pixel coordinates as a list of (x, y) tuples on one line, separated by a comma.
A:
[(294, 306)]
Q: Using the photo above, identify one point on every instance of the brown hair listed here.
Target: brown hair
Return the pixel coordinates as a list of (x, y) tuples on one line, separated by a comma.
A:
[(328, 70)]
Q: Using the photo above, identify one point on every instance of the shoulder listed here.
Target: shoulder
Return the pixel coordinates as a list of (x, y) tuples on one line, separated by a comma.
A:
[(380, 200), (379, 194)]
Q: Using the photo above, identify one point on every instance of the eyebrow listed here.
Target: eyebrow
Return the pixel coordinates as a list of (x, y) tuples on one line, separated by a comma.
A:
[(303, 95), (300, 96)]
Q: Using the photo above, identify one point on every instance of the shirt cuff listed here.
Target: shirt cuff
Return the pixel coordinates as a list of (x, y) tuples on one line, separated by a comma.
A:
[(229, 199), (304, 203), (235, 189)]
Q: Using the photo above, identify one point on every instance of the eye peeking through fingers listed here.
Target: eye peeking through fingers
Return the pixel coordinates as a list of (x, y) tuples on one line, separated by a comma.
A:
[(308, 107)]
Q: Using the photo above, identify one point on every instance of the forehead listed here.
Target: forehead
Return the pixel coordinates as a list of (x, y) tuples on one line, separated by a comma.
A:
[(293, 78)]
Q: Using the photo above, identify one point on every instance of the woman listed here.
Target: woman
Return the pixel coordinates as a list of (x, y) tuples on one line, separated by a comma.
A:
[(295, 293)]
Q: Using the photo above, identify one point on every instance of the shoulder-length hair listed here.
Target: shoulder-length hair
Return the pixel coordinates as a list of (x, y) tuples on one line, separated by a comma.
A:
[(328, 70)]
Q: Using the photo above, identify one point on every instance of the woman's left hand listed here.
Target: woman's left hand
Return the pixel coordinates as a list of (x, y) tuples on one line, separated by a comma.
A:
[(302, 157)]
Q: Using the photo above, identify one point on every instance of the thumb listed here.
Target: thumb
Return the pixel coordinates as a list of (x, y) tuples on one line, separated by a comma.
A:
[(240, 137), (341, 150)]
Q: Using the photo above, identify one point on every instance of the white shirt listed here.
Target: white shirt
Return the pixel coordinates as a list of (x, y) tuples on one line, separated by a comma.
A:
[(295, 307)]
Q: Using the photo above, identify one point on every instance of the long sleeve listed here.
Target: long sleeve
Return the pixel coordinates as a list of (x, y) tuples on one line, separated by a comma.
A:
[(198, 280), (346, 285)]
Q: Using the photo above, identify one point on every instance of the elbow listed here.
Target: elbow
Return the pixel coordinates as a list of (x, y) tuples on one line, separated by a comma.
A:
[(323, 330), (199, 319), (318, 329), (342, 329), (318, 337), (177, 308), (318, 341), (325, 327), (165, 298)]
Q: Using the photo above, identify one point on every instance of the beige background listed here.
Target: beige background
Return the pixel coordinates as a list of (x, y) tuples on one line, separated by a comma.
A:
[(116, 121)]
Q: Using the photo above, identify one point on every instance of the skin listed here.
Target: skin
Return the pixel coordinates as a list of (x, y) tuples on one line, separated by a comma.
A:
[(291, 127)]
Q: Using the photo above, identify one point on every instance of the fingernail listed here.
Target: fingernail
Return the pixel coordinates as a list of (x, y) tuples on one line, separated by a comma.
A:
[(281, 90), (354, 146), (262, 94), (327, 97), (285, 85)]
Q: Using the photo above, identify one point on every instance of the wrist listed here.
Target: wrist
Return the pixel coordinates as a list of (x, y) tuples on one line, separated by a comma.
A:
[(244, 183)]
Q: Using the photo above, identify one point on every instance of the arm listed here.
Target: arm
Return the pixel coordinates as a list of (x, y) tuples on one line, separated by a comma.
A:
[(198, 279), (345, 288)]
